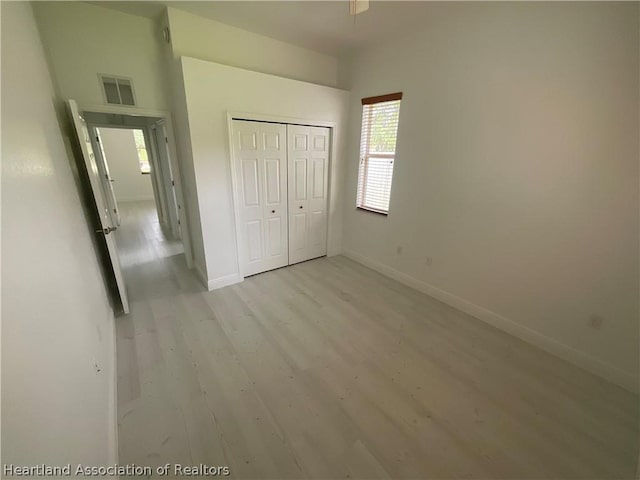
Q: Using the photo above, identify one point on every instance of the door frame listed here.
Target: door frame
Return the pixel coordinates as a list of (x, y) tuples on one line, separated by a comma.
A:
[(156, 173), (78, 128), (261, 117), (173, 157), (158, 132)]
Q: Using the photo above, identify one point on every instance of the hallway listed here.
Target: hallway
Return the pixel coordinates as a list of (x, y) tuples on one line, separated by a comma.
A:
[(150, 394), (327, 369)]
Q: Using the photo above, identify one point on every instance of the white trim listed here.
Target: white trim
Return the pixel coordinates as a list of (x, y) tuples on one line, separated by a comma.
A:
[(264, 117), (602, 369), (124, 110), (219, 282), (177, 170), (234, 188), (224, 281), (141, 198), (260, 117)]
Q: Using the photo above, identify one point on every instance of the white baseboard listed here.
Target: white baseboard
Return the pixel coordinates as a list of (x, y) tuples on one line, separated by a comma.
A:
[(605, 370), (225, 281), (219, 282)]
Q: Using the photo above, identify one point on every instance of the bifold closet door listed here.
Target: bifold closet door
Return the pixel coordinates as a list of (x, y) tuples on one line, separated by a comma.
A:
[(308, 158), (260, 153)]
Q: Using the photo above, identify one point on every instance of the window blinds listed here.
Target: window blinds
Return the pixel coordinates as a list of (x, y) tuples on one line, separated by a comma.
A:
[(377, 151)]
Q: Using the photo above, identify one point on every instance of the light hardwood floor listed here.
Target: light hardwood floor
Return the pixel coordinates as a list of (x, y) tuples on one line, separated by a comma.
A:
[(327, 369)]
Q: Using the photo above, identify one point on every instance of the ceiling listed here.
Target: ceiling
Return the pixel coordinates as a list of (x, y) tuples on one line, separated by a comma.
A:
[(323, 26)]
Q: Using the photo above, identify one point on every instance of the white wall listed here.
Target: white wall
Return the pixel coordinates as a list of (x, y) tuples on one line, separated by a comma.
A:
[(122, 157), (57, 324), (185, 158), (84, 40), (238, 90), (516, 172), (198, 37), (213, 41)]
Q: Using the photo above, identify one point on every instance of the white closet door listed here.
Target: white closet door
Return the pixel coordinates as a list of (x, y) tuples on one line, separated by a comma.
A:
[(308, 157), (260, 154)]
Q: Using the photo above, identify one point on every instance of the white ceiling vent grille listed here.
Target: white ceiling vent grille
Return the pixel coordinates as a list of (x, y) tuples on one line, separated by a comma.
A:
[(117, 90)]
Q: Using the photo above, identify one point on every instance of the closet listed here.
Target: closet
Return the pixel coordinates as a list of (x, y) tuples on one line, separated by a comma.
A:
[(281, 181)]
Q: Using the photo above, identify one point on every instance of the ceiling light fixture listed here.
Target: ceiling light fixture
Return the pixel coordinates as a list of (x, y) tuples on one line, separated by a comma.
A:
[(358, 6)]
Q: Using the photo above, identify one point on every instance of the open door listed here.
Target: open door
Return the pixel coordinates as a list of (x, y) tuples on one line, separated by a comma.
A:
[(99, 195), (105, 176), (157, 178)]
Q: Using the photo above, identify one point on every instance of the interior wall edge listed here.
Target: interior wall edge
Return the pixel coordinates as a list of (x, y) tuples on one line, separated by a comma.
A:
[(184, 152), (201, 275), (581, 359)]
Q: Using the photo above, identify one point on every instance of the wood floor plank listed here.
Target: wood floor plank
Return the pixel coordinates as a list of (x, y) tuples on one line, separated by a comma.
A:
[(326, 369)]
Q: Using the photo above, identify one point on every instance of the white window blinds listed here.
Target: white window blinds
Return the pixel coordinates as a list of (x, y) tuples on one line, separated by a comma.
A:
[(377, 151)]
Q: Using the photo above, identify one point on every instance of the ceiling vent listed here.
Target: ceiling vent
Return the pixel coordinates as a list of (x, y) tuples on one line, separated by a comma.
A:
[(117, 90)]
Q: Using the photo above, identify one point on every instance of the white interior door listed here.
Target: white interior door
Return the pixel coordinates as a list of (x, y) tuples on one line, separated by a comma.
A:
[(97, 188), (105, 176), (260, 157), (161, 140), (308, 158), (156, 174)]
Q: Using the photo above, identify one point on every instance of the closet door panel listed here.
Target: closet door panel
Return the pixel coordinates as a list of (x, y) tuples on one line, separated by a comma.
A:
[(308, 152), (254, 240), (318, 201), (274, 232), (250, 182), (272, 181), (298, 235), (260, 158), (317, 230)]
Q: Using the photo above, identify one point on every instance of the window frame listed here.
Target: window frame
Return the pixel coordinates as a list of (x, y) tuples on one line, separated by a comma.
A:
[(364, 157), (144, 139)]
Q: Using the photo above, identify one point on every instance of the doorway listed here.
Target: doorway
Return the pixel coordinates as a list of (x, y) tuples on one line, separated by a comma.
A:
[(135, 189), (142, 198), (136, 164)]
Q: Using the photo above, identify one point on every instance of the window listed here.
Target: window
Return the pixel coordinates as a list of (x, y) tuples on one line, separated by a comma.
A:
[(117, 90), (377, 151), (143, 156)]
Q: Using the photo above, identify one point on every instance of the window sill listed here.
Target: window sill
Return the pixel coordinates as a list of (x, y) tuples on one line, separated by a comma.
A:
[(370, 210)]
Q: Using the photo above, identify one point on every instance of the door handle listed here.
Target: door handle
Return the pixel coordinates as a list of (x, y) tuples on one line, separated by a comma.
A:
[(300, 206), (273, 211), (107, 230)]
